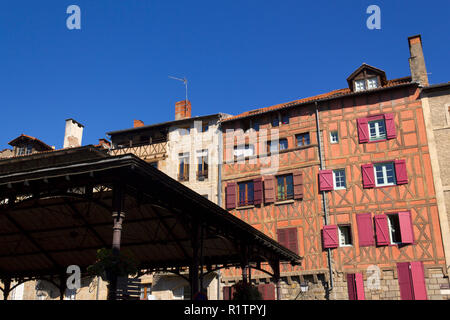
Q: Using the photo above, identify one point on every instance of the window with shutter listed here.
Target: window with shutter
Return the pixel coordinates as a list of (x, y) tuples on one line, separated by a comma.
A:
[(363, 130), (400, 171), (330, 236), (269, 189), (382, 230), (326, 180), (406, 227), (368, 176), (258, 189), (298, 185), (365, 229), (230, 195), (285, 188), (246, 193), (288, 238), (390, 126)]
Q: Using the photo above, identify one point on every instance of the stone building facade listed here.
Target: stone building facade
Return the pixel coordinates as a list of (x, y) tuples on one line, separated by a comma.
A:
[(344, 179)]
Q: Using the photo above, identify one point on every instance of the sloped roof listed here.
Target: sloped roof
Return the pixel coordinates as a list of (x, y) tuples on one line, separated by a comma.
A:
[(31, 139)]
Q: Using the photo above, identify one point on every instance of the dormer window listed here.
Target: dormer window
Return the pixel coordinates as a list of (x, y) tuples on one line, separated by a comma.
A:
[(372, 83), (366, 78), (364, 84)]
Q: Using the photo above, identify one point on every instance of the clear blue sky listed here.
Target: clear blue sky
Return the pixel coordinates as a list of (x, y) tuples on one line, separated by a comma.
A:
[(237, 56)]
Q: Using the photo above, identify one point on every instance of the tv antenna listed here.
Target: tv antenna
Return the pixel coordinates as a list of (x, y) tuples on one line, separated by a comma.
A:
[(184, 80)]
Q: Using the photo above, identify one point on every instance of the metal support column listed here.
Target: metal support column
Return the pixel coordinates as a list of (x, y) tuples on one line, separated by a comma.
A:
[(6, 288), (193, 268), (276, 277)]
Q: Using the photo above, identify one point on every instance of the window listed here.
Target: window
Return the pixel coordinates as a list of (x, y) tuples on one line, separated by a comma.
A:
[(244, 151), (303, 139), (184, 131), (377, 130), (339, 179), (384, 174), (275, 146), (394, 228), (183, 174), (24, 150), (288, 238), (360, 85), (372, 83), (285, 187), (255, 125), (202, 166), (275, 121), (334, 138), (345, 235), (246, 193), (369, 83), (285, 119)]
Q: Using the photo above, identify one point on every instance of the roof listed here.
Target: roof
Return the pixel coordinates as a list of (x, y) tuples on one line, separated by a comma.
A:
[(339, 93), (168, 123), (30, 138), (436, 86), (67, 223)]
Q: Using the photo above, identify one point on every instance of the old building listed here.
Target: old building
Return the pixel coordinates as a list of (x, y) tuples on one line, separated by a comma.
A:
[(345, 180)]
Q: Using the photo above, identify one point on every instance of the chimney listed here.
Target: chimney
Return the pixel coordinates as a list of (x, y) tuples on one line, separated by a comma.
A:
[(417, 61), (73, 134), (182, 109), (138, 123)]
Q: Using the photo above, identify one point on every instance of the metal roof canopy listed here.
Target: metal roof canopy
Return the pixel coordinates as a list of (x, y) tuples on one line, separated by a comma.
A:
[(56, 210)]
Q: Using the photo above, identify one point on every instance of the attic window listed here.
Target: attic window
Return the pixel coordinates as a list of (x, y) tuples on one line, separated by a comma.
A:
[(364, 84)]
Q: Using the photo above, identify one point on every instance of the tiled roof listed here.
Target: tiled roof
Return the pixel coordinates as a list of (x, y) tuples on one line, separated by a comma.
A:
[(30, 138), (328, 95)]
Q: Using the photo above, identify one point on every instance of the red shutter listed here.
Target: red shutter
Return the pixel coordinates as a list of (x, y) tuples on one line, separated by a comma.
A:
[(298, 184), (267, 291), (404, 281), (269, 189), (368, 176), (359, 283), (351, 285), (390, 125), (258, 192), (382, 230), (418, 280), (330, 236), (326, 180), (282, 237), (365, 229), (292, 240), (230, 195), (400, 171), (363, 130), (262, 291), (406, 227), (226, 293)]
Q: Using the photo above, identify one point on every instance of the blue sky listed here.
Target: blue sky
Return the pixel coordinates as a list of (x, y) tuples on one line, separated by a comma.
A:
[(237, 56)]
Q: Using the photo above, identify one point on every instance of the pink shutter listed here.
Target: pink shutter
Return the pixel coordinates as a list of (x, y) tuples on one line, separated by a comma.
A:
[(270, 291), (262, 290), (269, 189), (404, 281), (230, 194), (330, 236), (282, 237), (382, 230), (368, 176), (400, 171), (351, 285), (258, 192), (365, 229), (298, 184), (418, 281), (292, 240), (406, 227), (326, 180), (390, 126), (363, 130), (359, 283)]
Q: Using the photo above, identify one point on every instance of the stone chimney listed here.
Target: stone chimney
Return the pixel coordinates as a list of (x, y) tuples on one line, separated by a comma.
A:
[(417, 61), (138, 123), (182, 109), (73, 134)]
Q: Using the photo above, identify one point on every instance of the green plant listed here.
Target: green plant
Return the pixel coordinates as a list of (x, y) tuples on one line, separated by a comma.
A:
[(246, 291), (108, 264)]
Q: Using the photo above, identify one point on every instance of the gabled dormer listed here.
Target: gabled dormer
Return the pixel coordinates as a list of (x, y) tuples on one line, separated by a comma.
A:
[(365, 78), (24, 145)]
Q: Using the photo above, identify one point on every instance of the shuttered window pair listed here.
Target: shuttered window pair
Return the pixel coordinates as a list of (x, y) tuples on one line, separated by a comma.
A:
[(334, 236), (355, 284), (332, 180), (288, 238), (267, 191), (384, 174), (376, 128), (411, 279)]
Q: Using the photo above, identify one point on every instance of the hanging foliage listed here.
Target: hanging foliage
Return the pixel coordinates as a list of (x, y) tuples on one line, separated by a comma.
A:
[(108, 264)]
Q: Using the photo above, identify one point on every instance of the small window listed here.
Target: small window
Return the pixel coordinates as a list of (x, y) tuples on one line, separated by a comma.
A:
[(339, 179), (384, 174), (377, 130), (275, 121), (202, 164), (303, 139), (183, 173), (360, 85), (285, 119), (275, 146), (244, 151), (345, 235), (246, 192), (285, 187), (334, 137), (394, 228), (369, 83), (372, 83)]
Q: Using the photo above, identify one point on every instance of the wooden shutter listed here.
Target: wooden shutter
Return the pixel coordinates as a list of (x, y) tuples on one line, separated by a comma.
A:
[(368, 176), (269, 189), (359, 283), (282, 237), (230, 195), (267, 291), (298, 184), (292, 240), (258, 192), (226, 293), (404, 281), (390, 126), (326, 180), (382, 230), (406, 227), (363, 130), (365, 229), (400, 171), (418, 280), (330, 236), (351, 285)]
